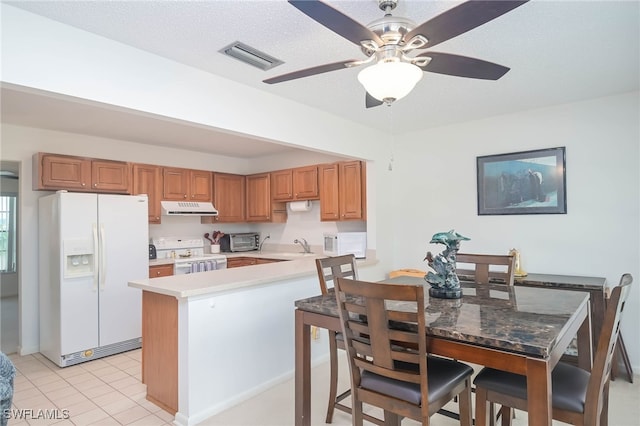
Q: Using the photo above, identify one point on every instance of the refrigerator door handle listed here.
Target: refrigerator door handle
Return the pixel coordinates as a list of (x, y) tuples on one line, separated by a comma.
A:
[(103, 259), (95, 257)]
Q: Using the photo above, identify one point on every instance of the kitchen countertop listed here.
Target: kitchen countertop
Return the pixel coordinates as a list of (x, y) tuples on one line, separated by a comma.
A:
[(188, 285)]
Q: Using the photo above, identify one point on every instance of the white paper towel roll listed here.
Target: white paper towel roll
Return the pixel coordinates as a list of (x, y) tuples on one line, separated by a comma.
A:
[(300, 206)]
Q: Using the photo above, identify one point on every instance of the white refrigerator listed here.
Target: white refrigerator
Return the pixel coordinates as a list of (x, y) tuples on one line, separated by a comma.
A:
[(90, 247)]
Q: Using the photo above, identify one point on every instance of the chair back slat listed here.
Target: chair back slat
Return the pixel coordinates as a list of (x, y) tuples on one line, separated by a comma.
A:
[(485, 267), (604, 357), (330, 268)]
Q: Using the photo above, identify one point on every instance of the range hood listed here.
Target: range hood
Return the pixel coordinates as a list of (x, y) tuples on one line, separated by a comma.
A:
[(188, 208)]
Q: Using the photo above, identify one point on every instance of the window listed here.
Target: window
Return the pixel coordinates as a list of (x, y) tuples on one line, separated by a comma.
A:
[(8, 233)]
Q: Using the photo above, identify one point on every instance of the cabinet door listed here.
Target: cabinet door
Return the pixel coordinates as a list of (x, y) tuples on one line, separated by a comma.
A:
[(111, 176), (305, 183), (351, 191), (175, 184), (200, 185), (62, 172), (329, 199), (282, 185), (228, 198), (236, 262), (258, 198), (160, 271), (147, 179)]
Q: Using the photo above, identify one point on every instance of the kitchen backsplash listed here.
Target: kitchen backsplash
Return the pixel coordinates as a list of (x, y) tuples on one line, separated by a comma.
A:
[(305, 225)]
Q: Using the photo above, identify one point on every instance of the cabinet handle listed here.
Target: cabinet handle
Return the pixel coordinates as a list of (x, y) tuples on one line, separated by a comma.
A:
[(83, 184), (95, 185), (185, 195), (157, 272)]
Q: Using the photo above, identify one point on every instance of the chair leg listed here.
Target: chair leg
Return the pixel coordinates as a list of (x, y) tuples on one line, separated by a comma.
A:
[(482, 414), (391, 418), (333, 376), (356, 412), (507, 415), (604, 415), (464, 405)]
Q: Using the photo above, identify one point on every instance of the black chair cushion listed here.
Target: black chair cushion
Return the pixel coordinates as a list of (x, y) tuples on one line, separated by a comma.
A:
[(568, 383), (443, 374)]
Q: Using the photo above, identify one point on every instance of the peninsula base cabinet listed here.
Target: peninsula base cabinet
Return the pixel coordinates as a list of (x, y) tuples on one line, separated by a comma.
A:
[(160, 349), (205, 353)]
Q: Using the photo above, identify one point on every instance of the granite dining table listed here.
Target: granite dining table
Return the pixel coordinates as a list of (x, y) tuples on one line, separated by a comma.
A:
[(523, 330)]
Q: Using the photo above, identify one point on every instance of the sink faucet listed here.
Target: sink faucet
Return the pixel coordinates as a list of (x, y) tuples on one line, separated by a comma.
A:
[(263, 240), (304, 244)]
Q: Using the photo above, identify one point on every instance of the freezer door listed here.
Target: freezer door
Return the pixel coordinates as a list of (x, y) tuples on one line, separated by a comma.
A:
[(124, 243), (73, 300)]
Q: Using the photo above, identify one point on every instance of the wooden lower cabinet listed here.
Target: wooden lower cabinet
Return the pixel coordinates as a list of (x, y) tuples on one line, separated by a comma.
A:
[(236, 262), (156, 271), (160, 349)]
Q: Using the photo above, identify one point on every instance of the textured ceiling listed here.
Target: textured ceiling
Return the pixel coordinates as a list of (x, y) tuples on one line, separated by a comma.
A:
[(558, 52)]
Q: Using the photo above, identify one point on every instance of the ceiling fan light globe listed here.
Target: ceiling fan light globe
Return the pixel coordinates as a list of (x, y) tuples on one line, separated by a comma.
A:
[(390, 80)]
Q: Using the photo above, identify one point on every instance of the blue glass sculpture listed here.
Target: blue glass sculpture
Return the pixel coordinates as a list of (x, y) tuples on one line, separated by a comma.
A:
[(444, 281)]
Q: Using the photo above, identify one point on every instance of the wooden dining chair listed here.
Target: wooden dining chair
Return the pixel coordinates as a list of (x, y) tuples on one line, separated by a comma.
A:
[(579, 397), (485, 267), (384, 330), (329, 269)]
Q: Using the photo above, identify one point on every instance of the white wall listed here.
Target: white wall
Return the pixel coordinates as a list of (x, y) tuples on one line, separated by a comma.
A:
[(435, 185)]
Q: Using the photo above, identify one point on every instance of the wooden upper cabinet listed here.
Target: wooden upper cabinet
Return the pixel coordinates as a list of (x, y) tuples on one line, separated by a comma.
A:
[(228, 199), (258, 198), (282, 185), (305, 183), (329, 198), (352, 184), (200, 187), (53, 172), (342, 191), (186, 184), (110, 176), (147, 179), (295, 184)]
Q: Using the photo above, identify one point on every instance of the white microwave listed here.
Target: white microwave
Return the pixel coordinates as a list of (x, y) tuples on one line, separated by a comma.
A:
[(340, 243)]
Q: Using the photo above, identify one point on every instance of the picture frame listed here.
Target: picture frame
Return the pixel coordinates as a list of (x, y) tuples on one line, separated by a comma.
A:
[(527, 182)]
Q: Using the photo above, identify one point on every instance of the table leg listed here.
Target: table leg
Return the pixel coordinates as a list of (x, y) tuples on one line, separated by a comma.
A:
[(539, 392), (585, 346), (302, 371)]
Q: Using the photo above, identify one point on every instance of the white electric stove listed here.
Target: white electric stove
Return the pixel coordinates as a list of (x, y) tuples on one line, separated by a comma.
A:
[(188, 254)]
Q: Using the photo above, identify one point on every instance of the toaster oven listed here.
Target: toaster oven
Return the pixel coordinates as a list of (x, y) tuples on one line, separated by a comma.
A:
[(242, 241)]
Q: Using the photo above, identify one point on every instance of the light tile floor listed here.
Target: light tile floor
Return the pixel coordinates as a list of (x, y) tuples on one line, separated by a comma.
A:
[(108, 392)]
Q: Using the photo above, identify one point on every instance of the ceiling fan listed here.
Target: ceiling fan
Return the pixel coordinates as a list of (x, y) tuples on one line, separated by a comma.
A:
[(388, 43)]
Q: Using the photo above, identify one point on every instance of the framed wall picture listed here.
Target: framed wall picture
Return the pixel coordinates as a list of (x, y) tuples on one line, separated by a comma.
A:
[(528, 182)]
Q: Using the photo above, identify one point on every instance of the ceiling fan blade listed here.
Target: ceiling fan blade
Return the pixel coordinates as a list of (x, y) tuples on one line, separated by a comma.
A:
[(462, 66), (309, 71), (336, 21), (371, 102), (461, 19)]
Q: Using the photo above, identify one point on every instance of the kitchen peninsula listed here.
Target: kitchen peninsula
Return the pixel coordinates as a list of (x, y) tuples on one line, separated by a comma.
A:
[(213, 339)]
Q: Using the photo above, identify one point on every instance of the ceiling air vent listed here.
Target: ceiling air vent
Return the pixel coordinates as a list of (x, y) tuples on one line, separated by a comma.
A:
[(251, 56)]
